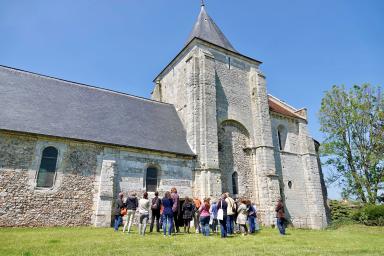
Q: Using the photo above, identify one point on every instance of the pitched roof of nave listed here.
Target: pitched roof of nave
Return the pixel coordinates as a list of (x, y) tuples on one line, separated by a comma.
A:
[(206, 29), (278, 106), (44, 105)]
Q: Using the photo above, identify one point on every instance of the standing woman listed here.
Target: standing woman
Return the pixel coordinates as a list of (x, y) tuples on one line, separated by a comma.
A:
[(131, 203), (144, 213), (188, 210), (117, 211), (280, 215), (222, 215), (167, 204), (213, 219), (196, 214), (252, 217), (205, 216), (175, 207), (155, 207), (242, 214), (231, 211)]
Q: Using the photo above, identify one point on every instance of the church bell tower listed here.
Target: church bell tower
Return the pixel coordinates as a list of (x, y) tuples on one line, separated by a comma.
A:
[(220, 96)]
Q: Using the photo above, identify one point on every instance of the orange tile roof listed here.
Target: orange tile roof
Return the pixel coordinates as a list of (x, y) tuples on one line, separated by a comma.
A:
[(279, 107)]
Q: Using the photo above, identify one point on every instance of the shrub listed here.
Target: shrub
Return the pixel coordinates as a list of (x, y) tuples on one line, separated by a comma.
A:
[(340, 211), (370, 215)]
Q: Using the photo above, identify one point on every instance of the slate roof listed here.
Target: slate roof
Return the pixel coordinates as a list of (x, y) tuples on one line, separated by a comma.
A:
[(206, 29), (39, 104)]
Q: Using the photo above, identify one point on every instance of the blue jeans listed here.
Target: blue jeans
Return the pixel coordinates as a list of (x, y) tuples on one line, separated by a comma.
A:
[(118, 221), (281, 226), (223, 226), (230, 224), (204, 222), (252, 226), (167, 218)]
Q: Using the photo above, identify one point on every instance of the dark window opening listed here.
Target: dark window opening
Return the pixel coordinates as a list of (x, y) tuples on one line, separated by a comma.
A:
[(151, 180), (47, 170), (235, 183), (290, 184), (279, 139), (220, 147)]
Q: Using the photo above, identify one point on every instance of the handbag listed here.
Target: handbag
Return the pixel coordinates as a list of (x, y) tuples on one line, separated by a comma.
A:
[(123, 211), (220, 214)]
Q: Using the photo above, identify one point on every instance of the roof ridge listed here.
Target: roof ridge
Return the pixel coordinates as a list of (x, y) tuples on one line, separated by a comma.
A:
[(84, 85), (284, 103)]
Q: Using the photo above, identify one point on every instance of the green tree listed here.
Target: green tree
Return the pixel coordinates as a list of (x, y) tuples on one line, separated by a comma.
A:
[(353, 122)]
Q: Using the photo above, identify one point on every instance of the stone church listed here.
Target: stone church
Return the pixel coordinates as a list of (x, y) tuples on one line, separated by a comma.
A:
[(67, 149)]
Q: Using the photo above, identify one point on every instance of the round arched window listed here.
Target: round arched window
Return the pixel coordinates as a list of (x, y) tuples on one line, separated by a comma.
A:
[(47, 170)]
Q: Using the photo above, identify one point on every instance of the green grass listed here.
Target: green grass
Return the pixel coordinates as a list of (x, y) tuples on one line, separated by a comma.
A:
[(346, 240)]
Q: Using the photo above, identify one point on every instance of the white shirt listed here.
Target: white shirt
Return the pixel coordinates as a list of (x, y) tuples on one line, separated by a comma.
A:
[(144, 206)]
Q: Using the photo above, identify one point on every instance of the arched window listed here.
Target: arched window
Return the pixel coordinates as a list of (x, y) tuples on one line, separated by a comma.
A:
[(235, 189), (279, 139), (281, 136), (47, 170), (151, 179)]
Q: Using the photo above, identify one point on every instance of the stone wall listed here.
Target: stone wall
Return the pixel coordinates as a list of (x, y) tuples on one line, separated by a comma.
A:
[(239, 96), (88, 178), (67, 203), (299, 172), (172, 172), (233, 140)]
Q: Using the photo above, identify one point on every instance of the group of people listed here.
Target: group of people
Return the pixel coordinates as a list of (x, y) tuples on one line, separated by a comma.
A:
[(207, 215)]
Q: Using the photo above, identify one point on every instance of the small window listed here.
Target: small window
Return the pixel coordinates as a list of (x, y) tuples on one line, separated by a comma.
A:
[(235, 183), (281, 137), (220, 147), (151, 180), (290, 184), (47, 170)]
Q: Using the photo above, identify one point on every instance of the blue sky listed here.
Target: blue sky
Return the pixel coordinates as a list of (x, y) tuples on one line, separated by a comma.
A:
[(305, 46)]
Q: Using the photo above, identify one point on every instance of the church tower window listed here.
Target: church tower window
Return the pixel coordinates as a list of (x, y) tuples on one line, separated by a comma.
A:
[(235, 184), (47, 170), (151, 179), (281, 137)]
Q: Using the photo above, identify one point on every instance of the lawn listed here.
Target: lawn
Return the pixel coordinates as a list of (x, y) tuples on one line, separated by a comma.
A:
[(346, 240)]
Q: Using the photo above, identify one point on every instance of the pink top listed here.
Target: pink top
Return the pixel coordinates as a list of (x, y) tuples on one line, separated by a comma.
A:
[(204, 211)]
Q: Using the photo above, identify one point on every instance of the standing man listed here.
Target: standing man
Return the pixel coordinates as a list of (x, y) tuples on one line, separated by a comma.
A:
[(231, 210), (117, 211), (155, 208), (280, 215), (222, 207), (175, 207)]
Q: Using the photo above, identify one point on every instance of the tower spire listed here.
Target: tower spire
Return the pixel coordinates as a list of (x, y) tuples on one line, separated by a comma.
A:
[(206, 29)]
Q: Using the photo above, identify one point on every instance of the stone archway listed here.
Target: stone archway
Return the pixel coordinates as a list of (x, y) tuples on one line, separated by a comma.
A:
[(233, 139)]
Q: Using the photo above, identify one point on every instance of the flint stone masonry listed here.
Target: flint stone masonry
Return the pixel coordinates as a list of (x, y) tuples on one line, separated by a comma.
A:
[(88, 178), (69, 204)]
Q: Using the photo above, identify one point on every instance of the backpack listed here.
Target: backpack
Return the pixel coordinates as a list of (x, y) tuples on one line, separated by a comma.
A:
[(155, 203)]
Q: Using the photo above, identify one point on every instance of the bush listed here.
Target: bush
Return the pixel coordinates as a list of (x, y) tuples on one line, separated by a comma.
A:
[(370, 215), (340, 211)]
